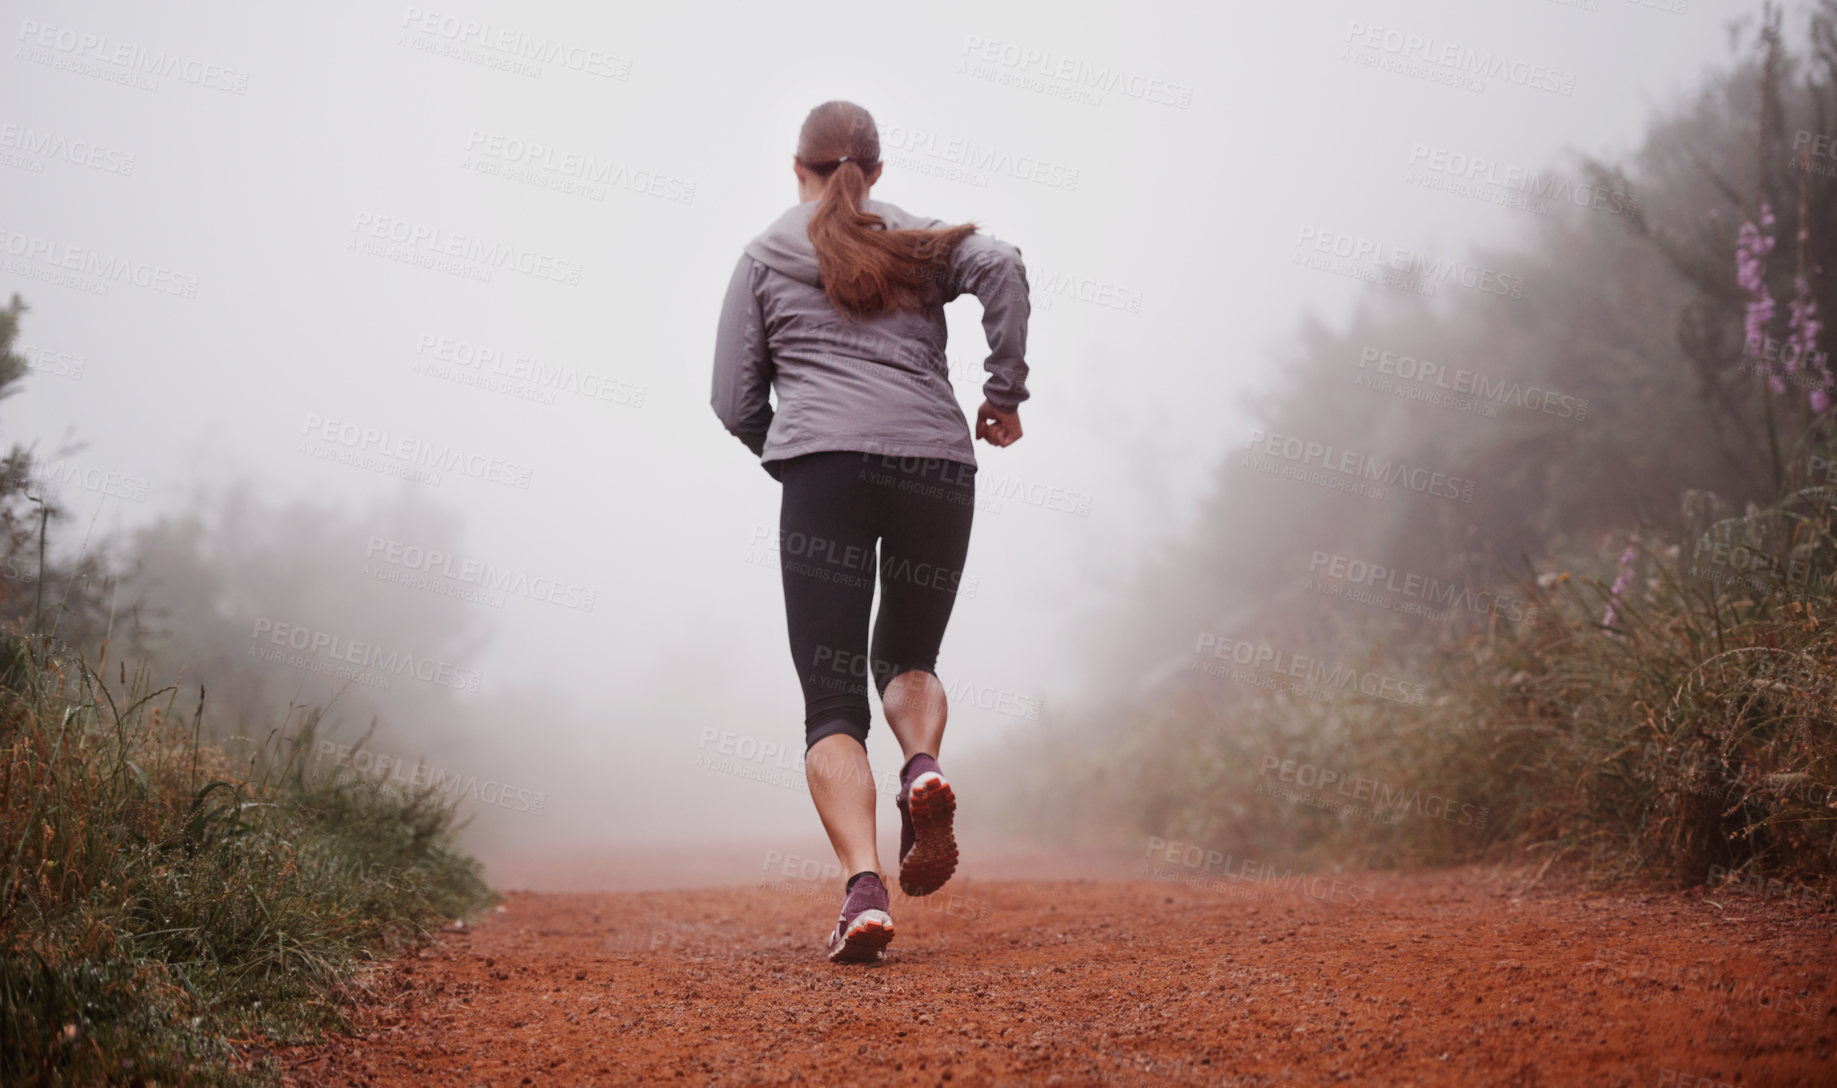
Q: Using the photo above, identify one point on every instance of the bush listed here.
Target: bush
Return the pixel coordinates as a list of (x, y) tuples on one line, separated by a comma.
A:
[(1669, 716)]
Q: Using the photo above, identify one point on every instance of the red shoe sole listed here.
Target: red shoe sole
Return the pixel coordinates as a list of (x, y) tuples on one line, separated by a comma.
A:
[(933, 857)]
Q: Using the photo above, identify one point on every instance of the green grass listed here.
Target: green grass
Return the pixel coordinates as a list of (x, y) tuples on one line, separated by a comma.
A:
[(164, 898)]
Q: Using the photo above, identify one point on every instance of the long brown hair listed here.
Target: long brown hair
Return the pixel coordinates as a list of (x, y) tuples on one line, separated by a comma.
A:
[(865, 268)]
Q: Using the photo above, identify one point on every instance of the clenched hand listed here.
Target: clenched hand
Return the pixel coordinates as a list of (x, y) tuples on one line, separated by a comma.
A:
[(996, 427)]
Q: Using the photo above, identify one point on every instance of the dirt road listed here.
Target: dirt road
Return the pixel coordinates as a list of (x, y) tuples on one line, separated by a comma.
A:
[(1438, 979)]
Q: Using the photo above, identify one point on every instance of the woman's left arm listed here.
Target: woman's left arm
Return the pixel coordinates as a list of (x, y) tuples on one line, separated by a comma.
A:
[(993, 271)]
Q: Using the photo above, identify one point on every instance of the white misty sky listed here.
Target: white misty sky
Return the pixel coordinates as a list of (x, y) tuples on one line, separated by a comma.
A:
[(1194, 211)]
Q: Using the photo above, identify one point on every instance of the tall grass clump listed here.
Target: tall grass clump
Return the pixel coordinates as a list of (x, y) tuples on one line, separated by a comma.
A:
[(1680, 719), (164, 898), (1671, 715)]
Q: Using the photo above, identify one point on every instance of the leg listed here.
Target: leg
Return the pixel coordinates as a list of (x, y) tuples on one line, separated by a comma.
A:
[(826, 556), (916, 712), (843, 788), (927, 539)]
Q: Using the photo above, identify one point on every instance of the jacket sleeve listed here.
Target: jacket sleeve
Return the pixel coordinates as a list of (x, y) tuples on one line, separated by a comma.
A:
[(992, 270), (743, 366)]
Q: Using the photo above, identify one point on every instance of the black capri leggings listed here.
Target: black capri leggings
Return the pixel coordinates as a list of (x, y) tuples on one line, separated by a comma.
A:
[(837, 506)]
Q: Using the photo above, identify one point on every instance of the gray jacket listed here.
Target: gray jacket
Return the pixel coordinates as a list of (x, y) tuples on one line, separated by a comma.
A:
[(879, 384)]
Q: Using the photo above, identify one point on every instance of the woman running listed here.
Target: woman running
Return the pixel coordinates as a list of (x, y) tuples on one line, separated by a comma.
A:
[(839, 307)]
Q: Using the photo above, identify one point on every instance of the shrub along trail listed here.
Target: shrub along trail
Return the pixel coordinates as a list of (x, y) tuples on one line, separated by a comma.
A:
[(1431, 978)]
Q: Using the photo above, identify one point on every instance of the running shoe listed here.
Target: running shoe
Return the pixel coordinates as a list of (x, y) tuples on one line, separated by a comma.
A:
[(927, 847), (865, 928)]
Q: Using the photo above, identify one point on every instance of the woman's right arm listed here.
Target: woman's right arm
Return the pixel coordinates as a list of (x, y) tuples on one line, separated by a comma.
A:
[(743, 366)]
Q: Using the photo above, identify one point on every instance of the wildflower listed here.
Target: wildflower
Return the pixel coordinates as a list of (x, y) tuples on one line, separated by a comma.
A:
[(1802, 339), (1751, 249), (1621, 583)]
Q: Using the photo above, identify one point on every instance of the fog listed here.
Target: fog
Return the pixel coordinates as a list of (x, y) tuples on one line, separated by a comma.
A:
[(274, 167)]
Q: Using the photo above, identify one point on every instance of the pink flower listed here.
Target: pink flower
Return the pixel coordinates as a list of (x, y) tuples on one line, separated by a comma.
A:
[(1621, 583), (1802, 340), (1751, 249)]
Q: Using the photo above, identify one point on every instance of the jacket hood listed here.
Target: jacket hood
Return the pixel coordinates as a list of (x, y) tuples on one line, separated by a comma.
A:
[(785, 246)]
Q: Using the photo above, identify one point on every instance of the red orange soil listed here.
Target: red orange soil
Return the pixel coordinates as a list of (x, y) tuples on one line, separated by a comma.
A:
[(1439, 979)]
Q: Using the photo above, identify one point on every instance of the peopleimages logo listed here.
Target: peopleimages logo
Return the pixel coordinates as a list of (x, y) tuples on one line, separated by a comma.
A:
[(415, 559), (518, 48), (1248, 870), (1758, 565), (50, 145), (1808, 145), (1534, 184), (61, 364), (134, 60), (1448, 595), (1429, 270), (1360, 466), (1077, 75), (463, 358), (1464, 382), (1312, 671), (1790, 362), (976, 157), (1049, 286), (962, 693), (1460, 59), (435, 247), (1035, 493), (365, 656), (1383, 796), (117, 485), (388, 770), (442, 456), (101, 269), (831, 561), (577, 167)]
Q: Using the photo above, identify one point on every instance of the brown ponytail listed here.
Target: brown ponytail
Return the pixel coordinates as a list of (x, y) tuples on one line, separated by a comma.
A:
[(865, 268)]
